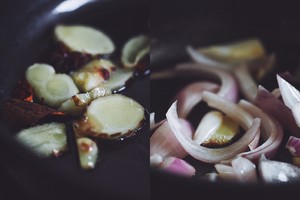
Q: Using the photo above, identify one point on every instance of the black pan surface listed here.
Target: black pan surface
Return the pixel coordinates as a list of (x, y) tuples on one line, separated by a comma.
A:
[(122, 171), (200, 23)]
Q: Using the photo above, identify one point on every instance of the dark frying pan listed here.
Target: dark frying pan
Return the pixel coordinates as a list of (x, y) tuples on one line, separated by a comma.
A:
[(122, 171), (201, 23)]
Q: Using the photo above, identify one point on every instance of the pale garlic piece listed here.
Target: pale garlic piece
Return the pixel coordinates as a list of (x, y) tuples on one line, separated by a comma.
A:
[(50, 88), (87, 152), (134, 50), (84, 39), (93, 74), (76, 105), (111, 117), (44, 140)]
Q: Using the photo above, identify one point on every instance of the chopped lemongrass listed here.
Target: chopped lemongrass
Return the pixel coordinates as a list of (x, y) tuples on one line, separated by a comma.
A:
[(39, 73), (87, 152), (93, 74), (84, 39), (111, 117), (50, 88), (118, 79), (45, 140), (77, 103), (134, 50)]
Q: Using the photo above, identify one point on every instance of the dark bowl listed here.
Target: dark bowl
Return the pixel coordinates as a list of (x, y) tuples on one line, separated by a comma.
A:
[(122, 170), (199, 23)]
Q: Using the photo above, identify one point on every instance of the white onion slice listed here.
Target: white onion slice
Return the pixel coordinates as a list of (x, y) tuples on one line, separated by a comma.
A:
[(215, 155), (272, 133)]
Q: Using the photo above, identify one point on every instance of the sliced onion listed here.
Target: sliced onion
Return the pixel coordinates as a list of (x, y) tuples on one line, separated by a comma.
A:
[(215, 155), (293, 145), (272, 171), (178, 167), (248, 85), (155, 160), (228, 89), (289, 93), (276, 108), (291, 97), (191, 95), (241, 169), (244, 169), (203, 59), (272, 133), (164, 143)]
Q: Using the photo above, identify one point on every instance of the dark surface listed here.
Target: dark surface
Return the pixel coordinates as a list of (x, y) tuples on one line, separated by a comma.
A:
[(122, 170), (199, 23)]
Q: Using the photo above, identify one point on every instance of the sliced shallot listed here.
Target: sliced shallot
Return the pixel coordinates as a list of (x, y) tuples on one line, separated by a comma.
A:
[(276, 108), (215, 155), (272, 133), (272, 171), (164, 143), (228, 88), (293, 145), (189, 96), (177, 166)]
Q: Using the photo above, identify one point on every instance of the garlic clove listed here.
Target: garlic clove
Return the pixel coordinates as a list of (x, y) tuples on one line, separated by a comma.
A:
[(84, 39), (111, 117), (134, 50), (87, 152)]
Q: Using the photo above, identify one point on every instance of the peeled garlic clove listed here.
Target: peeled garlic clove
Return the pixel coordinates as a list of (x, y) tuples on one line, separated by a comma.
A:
[(93, 74), (76, 104), (224, 134), (111, 117), (44, 140), (134, 50), (118, 79), (87, 152), (84, 39), (207, 126), (244, 50), (52, 89)]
